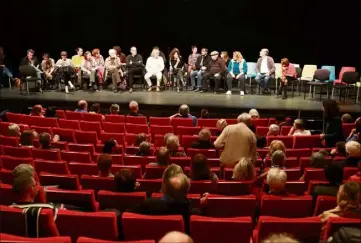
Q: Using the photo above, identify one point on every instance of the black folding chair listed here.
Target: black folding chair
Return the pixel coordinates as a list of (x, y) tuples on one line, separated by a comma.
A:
[(28, 74)]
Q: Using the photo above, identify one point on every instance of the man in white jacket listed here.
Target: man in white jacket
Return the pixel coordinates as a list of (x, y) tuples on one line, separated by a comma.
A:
[(154, 67)]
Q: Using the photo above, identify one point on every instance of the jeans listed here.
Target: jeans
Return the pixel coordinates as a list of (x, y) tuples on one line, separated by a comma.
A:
[(262, 80), (240, 80), (6, 71), (199, 74)]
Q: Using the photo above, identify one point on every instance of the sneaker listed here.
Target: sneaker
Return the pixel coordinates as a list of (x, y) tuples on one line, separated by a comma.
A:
[(158, 89), (229, 92), (150, 89), (178, 90), (130, 90), (197, 90), (115, 90), (242, 93)]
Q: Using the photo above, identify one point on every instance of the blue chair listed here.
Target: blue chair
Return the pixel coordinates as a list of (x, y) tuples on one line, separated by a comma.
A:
[(251, 72), (332, 70)]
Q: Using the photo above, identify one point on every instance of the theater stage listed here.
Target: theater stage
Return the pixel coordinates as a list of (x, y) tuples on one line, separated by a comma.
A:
[(167, 102)]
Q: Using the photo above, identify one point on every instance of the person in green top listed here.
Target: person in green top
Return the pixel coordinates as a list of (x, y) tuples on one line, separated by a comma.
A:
[(333, 125)]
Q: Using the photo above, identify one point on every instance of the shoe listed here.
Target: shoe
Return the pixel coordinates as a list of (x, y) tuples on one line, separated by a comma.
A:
[(97, 91), (158, 89), (71, 85), (229, 92), (197, 90), (178, 90), (115, 90), (150, 89), (40, 90), (66, 90), (241, 93), (191, 89), (130, 90)]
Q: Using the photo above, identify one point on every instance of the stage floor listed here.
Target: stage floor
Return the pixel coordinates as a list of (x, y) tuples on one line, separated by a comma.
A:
[(173, 99)]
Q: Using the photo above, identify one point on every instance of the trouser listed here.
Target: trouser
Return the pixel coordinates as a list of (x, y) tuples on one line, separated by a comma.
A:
[(262, 80), (133, 71), (91, 76), (158, 75), (217, 81), (178, 73), (6, 71), (199, 74), (240, 81), (115, 77)]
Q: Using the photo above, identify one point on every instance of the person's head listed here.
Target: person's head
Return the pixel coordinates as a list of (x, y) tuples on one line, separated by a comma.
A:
[(348, 196), (133, 106), (109, 146), (346, 118), (194, 49), (199, 168), (155, 53), (341, 148), (95, 108), (133, 50), (176, 237), (184, 110), (237, 56), (45, 139), (224, 55), (334, 174), (276, 145), (87, 55), (125, 181), (276, 180), (96, 53), (166, 136), (273, 130), (177, 187), (278, 159), (112, 53), (299, 124), (205, 134), (162, 156), (214, 55), (244, 170), (174, 54), (285, 62), (104, 164), (221, 124), (144, 148), (280, 238), (82, 105), (14, 130), (79, 51), (204, 51), (139, 138), (353, 149), (30, 53), (331, 109), (63, 55), (264, 52), (254, 113), (324, 152), (172, 143), (27, 137), (245, 118), (24, 183), (280, 118), (114, 109), (37, 110), (318, 160), (204, 113), (118, 50), (46, 56), (169, 172)]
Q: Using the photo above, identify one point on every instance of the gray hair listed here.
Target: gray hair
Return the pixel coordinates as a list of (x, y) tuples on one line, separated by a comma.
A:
[(184, 109), (13, 130), (245, 118), (276, 176), (274, 129), (172, 140), (266, 50), (254, 113), (23, 178), (353, 148), (112, 52), (133, 104)]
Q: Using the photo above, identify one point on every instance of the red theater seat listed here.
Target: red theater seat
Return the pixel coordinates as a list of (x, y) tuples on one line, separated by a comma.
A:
[(6, 238), (324, 203), (83, 157), (54, 167), (307, 141), (86, 137), (202, 187), (314, 174), (92, 240), (60, 145), (160, 225), (234, 188), (209, 153), (349, 171), (136, 128), (68, 182), (65, 134), (13, 117), (181, 161), (84, 199), (10, 162), (114, 127), (150, 185), (60, 114), (285, 130), (184, 130), (230, 230), (207, 122), (312, 184), (119, 200), (72, 115), (115, 118), (43, 121), (97, 183), (6, 177), (154, 172), (139, 160), (136, 119), (159, 121), (92, 169), (296, 187), (260, 122), (347, 128), (290, 162), (40, 130), (119, 137), (303, 152), (157, 129), (69, 124), (334, 223), (231, 121), (187, 141), (130, 139), (117, 159), (19, 152), (81, 147), (184, 122), (91, 126), (234, 206), (91, 117), (46, 154), (262, 131), (9, 141)]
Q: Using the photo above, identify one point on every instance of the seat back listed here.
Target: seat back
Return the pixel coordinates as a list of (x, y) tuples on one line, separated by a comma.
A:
[(92, 240), (207, 122), (83, 199), (129, 138), (209, 153), (120, 200), (233, 188), (342, 71), (69, 124), (92, 117), (324, 203), (347, 128), (251, 69), (159, 121), (10, 162), (296, 187), (332, 70), (69, 182), (114, 118), (334, 223), (184, 122), (303, 152), (44, 122), (308, 71), (314, 174), (91, 126), (150, 185), (6, 238), (287, 140), (187, 141), (136, 119), (83, 157), (157, 129), (202, 187), (105, 136), (183, 130), (231, 206), (60, 114), (40, 130), (9, 141), (136, 128), (350, 78), (72, 115), (321, 75), (154, 172), (160, 226), (285, 130), (307, 141), (58, 167), (86, 137), (260, 122), (13, 117), (6, 177), (349, 171), (97, 183), (181, 161), (65, 134), (262, 131), (278, 71), (51, 154), (81, 147), (19, 152), (139, 160)]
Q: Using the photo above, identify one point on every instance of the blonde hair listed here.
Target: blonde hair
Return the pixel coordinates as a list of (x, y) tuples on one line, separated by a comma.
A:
[(153, 52), (221, 124), (238, 55), (353, 148), (172, 143), (244, 170), (280, 238), (276, 179), (168, 173), (276, 145), (348, 196)]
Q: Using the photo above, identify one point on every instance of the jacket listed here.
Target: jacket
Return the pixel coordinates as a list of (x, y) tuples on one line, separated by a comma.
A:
[(112, 63), (206, 61), (236, 68), (26, 61), (270, 64), (154, 65), (216, 66), (137, 61), (333, 132)]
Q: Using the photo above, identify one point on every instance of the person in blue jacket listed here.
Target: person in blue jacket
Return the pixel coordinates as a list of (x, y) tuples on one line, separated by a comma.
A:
[(237, 69)]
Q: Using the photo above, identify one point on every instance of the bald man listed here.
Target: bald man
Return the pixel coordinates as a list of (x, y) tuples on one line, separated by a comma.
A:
[(176, 237), (184, 113), (82, 106), (135, 66)]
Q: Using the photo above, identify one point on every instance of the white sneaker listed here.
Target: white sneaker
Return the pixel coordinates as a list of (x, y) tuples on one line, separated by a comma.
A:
[(242, 93), (229, 92)]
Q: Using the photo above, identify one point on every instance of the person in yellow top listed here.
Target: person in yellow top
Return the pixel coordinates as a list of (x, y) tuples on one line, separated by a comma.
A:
[(77, 60)]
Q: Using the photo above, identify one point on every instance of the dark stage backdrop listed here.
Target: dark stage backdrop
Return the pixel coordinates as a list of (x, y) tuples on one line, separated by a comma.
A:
[(307, 32)]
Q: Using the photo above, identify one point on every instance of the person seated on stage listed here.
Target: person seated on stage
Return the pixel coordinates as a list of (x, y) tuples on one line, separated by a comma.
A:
[(14, 130), (144, 149), (274, 130), (220, 125), (32, 60), (154, 67), (192, 59), (77, 59), (254, 114), (139, 138), (104, 165), (162, 157), (299, 129), (109, 146), (244, 170), (289, 75), (113, 66), (200, 170), (89, 70), (63, 65), (347, 118), (114, 109), (173, 145), (215, 70), (82, 106), (3, 69), (125, 181), (99, 63), (204, 141), (176, 63), (135, 66), (48, 67), (201, 67), (353, 151), (225, 58), (27, 137), (120, 54), (184, 113), (265, 70), (134, 109), (37, 110), (237, 69)]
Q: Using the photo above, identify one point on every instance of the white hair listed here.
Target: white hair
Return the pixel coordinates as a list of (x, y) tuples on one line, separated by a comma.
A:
[(13, 130), (274, 129), (112, 52), (353, 148), (172, 139), (133, 104), (276, 175), (254, 113), (245, 118)]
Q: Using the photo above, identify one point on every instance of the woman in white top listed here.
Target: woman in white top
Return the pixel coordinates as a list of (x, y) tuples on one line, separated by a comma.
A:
[(298, 129), (62, 66), (154, 67)]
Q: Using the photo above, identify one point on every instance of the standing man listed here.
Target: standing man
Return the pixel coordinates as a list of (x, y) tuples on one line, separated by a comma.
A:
[(201, 67), (215, 70), (135, 66), (265, 70)]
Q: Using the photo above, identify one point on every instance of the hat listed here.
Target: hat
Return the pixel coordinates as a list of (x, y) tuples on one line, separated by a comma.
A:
[(214, 53)]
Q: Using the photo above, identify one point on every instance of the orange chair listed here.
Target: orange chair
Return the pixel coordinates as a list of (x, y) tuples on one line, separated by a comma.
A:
[(69, 124), (115, 118), (10, 162), (136, 119), (231, 206), (159, 121), (52, 167), (119, 200), (68, 182), (91, 126)]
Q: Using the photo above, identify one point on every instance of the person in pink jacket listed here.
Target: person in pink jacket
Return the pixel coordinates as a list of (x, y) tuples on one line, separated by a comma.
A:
[(289, 74)]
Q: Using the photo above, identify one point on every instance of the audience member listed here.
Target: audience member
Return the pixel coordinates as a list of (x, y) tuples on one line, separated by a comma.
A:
[(357, 177), (204, 114), (82, 106), (162, 157), (169, 172), (95, 108), (204, 141), (125, 181), (45, 140), (109, 146), (173, 146), (318, 160), (139, 138), (51, 112), (244, 170), (334, 175), (333, 132), (282, 121), (166, 136), (274, 130), (276, 181), (184, 113), (200, 170), (105, 165), (346, 118), (324, 152), (298, 129), (176, 237), (280, 238), (246, 119), (114, 109), (278, 159), (144, 149), (276, 145), (355, 133), (37, 110), (134, 109), (254, 113), (220, 125), (340, 149), (27, 138), (14, 130), (353, 151), (231, 139)]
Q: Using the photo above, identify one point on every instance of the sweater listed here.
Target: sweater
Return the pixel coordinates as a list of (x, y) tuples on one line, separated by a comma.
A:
[(154, 65), (216, 66), (236, 67), (289, 71), (134, 61), (77, 60), (270, 64)]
